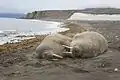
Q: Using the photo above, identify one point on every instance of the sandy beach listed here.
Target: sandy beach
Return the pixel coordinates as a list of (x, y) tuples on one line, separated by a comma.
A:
[(17, 61)]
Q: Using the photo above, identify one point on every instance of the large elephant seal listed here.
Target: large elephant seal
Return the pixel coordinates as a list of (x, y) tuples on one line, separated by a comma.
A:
[(52, 46), (88, 44)]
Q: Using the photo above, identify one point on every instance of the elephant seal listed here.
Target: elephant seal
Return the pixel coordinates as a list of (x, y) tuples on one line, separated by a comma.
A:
[(52, 46), (88, 44)]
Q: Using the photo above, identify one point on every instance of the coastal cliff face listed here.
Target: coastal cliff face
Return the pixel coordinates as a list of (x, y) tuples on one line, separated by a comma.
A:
[(65, 14), (50, 14)]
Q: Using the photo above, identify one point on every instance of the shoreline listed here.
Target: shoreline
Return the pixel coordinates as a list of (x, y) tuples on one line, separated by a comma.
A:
[(72, 26), (13, 36), (15, 46)]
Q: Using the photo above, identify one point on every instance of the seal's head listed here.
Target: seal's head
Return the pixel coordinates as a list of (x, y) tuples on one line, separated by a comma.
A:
[(44, 52), (76, 51), (76, 48), (49, 55)]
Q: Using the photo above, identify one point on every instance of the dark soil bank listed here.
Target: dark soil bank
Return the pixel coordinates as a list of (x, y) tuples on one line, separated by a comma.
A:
[(20, 64)]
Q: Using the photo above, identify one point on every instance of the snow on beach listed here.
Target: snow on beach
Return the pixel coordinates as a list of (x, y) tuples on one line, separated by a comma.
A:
[(94, 17)]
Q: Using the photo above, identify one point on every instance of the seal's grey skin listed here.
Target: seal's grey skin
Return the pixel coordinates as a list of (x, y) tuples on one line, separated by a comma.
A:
[(88, 44), (52, 46)]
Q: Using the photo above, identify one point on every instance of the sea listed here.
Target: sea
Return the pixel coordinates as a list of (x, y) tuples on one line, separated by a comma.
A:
[(15, 30)]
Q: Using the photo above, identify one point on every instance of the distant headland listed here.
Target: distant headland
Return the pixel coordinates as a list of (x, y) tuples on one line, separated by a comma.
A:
[(65, 14)]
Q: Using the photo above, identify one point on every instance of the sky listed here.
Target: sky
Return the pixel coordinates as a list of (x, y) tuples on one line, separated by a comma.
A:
[(24, 6)]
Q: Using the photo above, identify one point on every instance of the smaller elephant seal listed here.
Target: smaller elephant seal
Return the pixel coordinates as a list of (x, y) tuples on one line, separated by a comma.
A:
[(53, 46), (88, 44)]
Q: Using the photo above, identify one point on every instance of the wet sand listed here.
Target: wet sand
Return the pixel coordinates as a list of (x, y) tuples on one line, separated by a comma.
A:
[(17, 61)]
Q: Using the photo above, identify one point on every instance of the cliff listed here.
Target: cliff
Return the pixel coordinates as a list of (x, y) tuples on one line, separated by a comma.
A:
[(50, 14), (65, 14)]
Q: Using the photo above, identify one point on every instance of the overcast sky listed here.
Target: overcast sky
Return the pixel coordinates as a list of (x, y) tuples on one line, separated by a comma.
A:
[(32, 5)]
